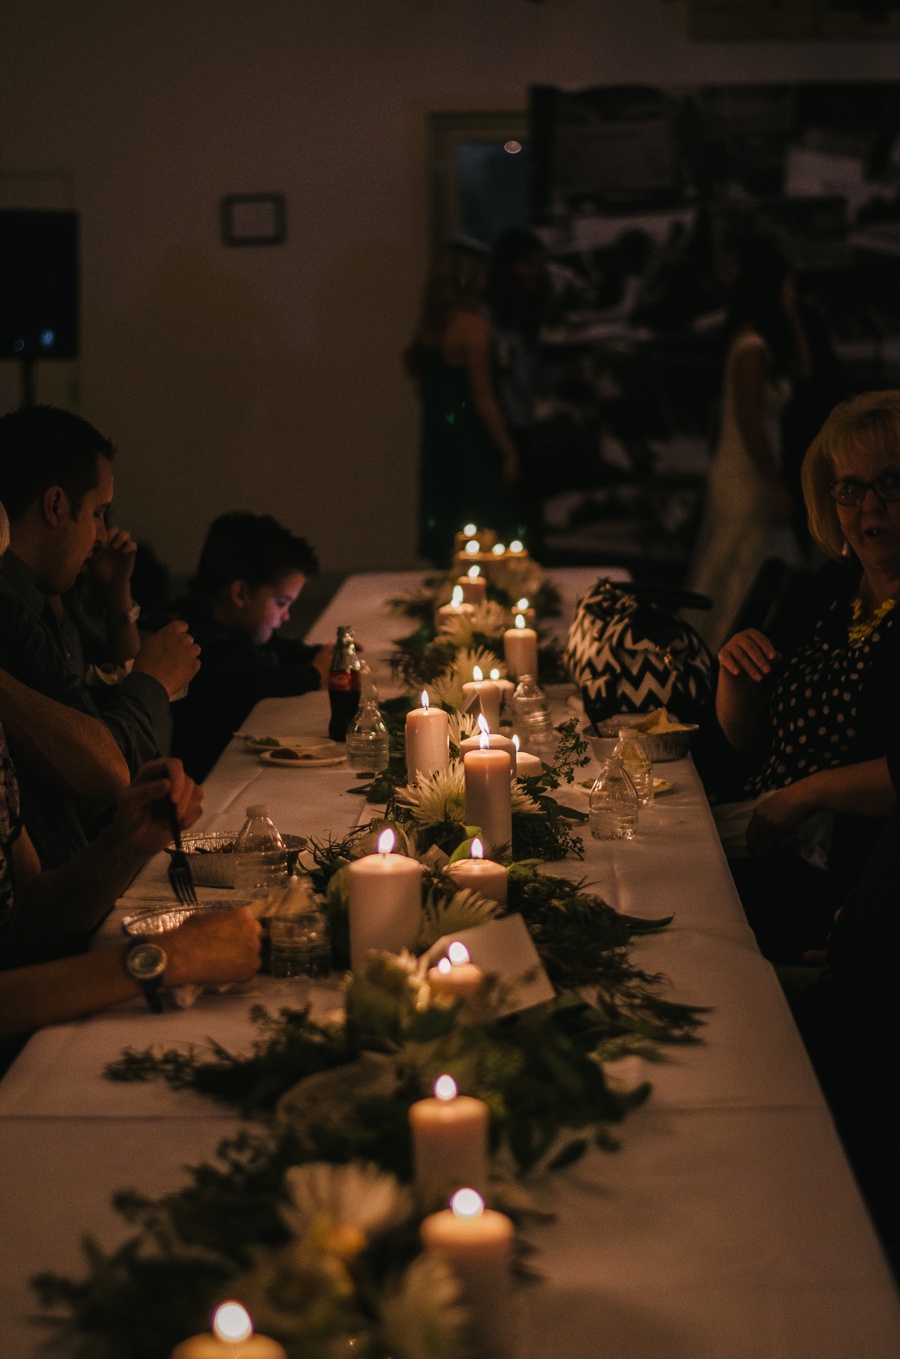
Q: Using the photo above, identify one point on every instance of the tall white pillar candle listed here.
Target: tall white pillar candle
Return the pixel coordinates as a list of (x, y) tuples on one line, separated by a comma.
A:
[(477, 1244), (495, 742), (473, 585), (485, 693), (450, 1142), (385, 901), (427, 741), (520, 649), (231, 1336), (506, 687), (480, 874), (488, 799)]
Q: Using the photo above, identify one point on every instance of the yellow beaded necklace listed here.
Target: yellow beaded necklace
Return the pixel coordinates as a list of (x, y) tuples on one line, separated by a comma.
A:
[(859, 631)]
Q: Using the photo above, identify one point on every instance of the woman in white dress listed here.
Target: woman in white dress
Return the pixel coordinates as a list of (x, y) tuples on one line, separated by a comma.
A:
[(748, 504)]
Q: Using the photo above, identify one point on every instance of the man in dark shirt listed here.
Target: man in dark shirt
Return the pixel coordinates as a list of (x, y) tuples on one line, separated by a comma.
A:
[(250, 572), (56, 482)]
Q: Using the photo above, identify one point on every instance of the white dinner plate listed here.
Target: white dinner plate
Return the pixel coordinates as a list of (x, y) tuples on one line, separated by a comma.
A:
[(308, 758), (296, 742)]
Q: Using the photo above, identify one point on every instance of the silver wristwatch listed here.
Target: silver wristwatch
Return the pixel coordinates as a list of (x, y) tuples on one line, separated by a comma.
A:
[(125, 615), (146, 962)]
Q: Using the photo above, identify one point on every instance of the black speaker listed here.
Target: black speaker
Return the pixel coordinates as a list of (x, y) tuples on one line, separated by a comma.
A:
[(39, 268)]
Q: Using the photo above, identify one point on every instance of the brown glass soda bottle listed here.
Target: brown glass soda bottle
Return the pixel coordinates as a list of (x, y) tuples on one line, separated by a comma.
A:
[(343, 685)]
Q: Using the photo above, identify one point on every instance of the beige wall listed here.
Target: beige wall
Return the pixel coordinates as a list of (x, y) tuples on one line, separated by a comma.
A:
[(270, 378)]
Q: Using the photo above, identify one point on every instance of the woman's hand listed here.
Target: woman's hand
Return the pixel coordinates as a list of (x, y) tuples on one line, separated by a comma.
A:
[(749, 653), (777, 817)]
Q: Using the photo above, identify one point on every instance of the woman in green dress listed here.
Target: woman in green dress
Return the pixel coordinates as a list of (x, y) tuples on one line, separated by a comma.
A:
[(468, 463)]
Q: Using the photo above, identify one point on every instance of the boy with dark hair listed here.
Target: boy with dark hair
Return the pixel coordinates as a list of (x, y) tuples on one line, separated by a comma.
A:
[(250, 572)]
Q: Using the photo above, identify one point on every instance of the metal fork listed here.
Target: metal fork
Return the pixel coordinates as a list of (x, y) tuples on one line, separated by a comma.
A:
[(179, 869)]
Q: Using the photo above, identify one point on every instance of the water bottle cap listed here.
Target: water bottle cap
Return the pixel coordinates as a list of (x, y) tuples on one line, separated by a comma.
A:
[(258, 809)]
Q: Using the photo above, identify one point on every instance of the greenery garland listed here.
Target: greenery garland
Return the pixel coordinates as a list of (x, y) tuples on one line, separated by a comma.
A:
[(308, 1217)]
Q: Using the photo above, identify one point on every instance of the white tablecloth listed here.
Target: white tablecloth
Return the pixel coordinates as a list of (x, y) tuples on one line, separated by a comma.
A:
[(727, 1226)]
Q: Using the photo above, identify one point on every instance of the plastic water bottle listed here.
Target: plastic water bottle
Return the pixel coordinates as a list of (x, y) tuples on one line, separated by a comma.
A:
[(614, 803), (261, 862), (298, 933), (632, 752), (368, 744), (532, 714)]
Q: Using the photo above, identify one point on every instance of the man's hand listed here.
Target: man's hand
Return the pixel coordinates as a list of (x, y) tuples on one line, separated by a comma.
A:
[(778, 816), (142, 817), (111, 564), (170, 656), (748, 653), (213, 948)]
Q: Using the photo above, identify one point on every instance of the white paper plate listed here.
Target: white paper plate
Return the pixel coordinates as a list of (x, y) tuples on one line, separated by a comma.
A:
[(297, 742), (308, 760)]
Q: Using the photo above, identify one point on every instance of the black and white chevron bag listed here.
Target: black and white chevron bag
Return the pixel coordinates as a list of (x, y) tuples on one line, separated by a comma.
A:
[(630, 654)]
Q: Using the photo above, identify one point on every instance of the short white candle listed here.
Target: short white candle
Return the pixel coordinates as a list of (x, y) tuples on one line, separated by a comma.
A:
[(479, 691), (230, 1338), (450, 1139), (488, 798), (385, 901), (494, 742), (427, 740), (520, 649), (473, 586), (480, 874), (506, 687), (456, 975), (447, 613), (527, 765), (477, 1244)]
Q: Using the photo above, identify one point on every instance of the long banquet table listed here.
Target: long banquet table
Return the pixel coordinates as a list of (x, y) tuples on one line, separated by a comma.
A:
[(727, 1226)]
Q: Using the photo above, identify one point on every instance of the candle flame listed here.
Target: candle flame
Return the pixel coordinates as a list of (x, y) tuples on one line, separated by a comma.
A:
[(522, 604), (516, 546), (472, 546), (474, 572), (516, 743), (469, 530), (457, 597), (477, 674), (386, 841), (520, 620), (444, 966), (445, 1088), (426, 704), (483, 725), (476, 849), (232, 1322), (467, 1204), (494, 674), (498, 549), (458, 953)]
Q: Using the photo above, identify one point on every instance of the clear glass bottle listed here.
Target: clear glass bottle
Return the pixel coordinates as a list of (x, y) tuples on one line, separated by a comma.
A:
[(261, 860), (344, 684), (532, 715), (298, 933), (614, 803), (368, 744), (631, 751)]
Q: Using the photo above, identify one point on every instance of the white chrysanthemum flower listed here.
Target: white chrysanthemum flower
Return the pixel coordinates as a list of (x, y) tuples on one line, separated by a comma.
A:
[(436, 797), (464, 909), (522, 802), (425, 1317), (462, 725), (358, 1196), (446, 689)]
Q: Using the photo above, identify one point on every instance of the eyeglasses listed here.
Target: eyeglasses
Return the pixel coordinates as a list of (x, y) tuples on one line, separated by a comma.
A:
[(847, 491)]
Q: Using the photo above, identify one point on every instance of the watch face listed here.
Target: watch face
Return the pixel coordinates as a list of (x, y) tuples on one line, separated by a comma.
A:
[(146, 961)]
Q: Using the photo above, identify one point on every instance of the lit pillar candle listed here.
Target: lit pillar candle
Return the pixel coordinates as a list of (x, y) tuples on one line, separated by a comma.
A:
[(455, 609), (450, 1135), (494, 742), (527, 766), (427, 740), (524, 608), (480, 874), (476, 1243), (506, 687), (478, 690), (488, 796), (385, 901), (231, 1337), (520, 649), (473, 585), (456, 975)]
